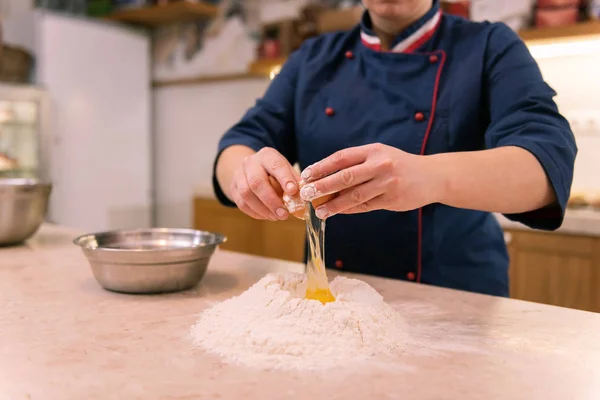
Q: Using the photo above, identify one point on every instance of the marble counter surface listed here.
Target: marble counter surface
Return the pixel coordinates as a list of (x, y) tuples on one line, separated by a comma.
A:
[(63, 337)]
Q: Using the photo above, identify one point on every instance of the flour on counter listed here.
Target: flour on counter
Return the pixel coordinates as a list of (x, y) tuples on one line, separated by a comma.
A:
[(272, 326)]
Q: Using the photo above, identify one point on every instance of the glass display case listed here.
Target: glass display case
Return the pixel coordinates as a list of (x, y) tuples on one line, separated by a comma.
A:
[(23, 144)]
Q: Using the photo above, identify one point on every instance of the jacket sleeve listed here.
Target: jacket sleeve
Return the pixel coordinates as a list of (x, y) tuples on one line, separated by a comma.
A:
[(269, 123), (523, 113)]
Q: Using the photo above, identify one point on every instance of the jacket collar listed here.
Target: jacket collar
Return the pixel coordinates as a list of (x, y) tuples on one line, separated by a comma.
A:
[(411, 38)]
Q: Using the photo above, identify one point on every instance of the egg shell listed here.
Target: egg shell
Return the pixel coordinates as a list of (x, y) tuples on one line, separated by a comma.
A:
[(295, 199)]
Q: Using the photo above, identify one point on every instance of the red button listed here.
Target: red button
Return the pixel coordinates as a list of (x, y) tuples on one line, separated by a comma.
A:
[(433, 59), (349, 55), (339, 264), (329, 111), (410, 276), (419, 116)]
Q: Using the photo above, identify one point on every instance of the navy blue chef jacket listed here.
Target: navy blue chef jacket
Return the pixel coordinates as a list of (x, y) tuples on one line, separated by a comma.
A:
[(448, 85)]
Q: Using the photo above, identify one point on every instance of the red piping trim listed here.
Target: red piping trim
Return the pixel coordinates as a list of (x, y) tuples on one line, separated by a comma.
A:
[(374, 43), (424, 38), (374, 46), (423, 148)]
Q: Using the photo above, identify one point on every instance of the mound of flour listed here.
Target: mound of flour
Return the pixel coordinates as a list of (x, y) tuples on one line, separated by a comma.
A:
[(272, 326)]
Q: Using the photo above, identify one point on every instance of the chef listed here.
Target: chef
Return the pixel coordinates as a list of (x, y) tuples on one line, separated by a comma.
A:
[(424, 124)]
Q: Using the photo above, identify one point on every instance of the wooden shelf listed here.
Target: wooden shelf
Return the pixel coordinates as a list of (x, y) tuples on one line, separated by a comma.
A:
[(582, 29), (265, 67), (258, 70), (207, 79), (338, 20), (262, 69), (152, 16)]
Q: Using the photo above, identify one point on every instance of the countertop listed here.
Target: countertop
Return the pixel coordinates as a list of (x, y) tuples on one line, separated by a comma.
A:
[(63, 337)]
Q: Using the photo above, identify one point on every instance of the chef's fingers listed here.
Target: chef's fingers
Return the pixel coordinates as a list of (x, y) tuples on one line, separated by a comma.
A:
[(237, 199), (243, 206), (279, 167), (377, 203), (296, 174), (258, 182), (247, 201), (337, 161), (341, 180), (351, 198)]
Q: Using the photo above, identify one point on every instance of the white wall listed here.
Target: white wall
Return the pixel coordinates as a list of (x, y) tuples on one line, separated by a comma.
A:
[(100, 121), (191, 119), (14, 7), (19, 30), (577, 83), (98, 79)]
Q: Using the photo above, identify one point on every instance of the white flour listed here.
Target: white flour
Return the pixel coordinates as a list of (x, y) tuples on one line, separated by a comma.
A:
[(272, 326)]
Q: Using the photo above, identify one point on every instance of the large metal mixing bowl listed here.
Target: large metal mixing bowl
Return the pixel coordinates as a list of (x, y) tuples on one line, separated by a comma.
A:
[(23, 208), (155, 260)]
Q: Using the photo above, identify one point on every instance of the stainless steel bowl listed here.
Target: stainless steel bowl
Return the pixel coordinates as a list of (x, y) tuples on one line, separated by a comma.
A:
[(23, 208), (156, 260)]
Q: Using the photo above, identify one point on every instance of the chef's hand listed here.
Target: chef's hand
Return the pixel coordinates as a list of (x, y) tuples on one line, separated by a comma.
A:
[(253, 193), (371, 177)]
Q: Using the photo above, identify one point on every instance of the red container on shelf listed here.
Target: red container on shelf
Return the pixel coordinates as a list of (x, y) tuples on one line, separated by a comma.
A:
[(558, 3), (594, 13), (457, 7), (269, 48), (552, 17)]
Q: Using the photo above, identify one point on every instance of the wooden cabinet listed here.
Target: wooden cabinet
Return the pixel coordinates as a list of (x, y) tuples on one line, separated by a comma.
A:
[(549, 268), (555, 268), (284, 239)]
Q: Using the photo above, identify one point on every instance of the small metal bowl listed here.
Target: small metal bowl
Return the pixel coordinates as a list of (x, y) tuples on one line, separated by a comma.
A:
[(156, 260)]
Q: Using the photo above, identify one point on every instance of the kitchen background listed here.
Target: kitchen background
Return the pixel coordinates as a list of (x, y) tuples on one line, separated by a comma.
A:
[(107, 117)]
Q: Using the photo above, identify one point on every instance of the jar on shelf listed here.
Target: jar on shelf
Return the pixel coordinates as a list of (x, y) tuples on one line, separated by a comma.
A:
[(553, 13), (270, 46), (594, 10), (460, 8), (129, 3)]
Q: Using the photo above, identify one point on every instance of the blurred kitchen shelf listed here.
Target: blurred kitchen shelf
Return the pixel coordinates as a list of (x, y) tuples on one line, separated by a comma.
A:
[(18, 173), (269, 67), (338, 20), (580, 30), (260, 69), (207, 79), (266, 66), (152, 16), (346, 19), (576, 31), (18, 124)]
